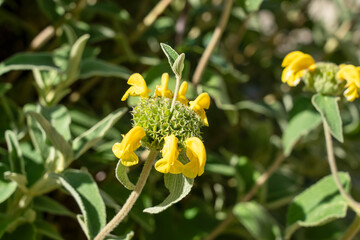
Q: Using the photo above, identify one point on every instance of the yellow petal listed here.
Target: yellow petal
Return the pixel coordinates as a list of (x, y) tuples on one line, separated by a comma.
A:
[(181, 95), (289, 58), (163, 90), (199, 104), (125, 149), (196, 153), (138, 87), (170, 152)]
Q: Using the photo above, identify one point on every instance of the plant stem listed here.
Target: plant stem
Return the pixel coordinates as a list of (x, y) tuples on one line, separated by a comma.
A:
[(331, 158), (352, 230), (175, 93), (213, 42), (131, 199), (259, 182)]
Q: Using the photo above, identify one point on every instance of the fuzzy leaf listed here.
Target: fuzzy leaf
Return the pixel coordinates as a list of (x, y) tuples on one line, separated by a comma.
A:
[(89, 138), (259, 223), (317, 205), (299, 125), (28, 61), (56, 139), (60, 119), (170, 53), (179, 186), (122, 176), (15, 155), (178, 65), (96, 67), (86, 193), (6, 188), (328, 108)]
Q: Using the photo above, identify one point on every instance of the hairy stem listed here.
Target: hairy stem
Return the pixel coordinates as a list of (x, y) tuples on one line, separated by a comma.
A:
[(331, 159), (175, 93), (213, 42), (352, 230), (259, 182), (131, 199)]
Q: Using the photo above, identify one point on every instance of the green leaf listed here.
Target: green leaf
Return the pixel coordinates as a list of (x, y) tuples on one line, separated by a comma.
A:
[(60, 119), (170, 53), (317, 205), (86, 193), (122, 176), (4, 87), (257, 221), (28, 61), (299, 125), (178, 66), (5, 221), (89, 138), (328, 108), (15, 155), (56, 139), (46, 229), (179, 186), (76, 52), (46, 204), (96, 67), (128, 236), (250, 5), (19, 179), (6, 188), (24, 232)]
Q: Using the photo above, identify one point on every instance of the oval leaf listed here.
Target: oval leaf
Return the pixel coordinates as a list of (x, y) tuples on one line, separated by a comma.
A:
[(179, 186), (328, 108), (86, 193), (170, 53), (317, 205), (15, 155), (122, 176)]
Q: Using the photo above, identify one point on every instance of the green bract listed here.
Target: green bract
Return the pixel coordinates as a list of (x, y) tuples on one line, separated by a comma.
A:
[(323, 80), (153, 115)]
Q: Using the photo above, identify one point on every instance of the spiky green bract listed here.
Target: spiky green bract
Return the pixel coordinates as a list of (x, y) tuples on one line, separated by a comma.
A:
[(153, 115), (323, 80)]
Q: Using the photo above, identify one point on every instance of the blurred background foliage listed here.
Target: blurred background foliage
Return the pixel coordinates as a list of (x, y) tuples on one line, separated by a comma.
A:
[(249, 111)]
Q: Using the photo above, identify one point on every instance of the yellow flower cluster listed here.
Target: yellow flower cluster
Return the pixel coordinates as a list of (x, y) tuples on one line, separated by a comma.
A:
[(298, 63), (169, 163)]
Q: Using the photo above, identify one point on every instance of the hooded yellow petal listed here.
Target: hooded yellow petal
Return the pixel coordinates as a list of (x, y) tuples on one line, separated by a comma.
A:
[(199, 104), (125, 149), (351, 75), (170, 152), (181, 95), (295, 64), (290, 57), (163, 90), (138, 87), (196, 153)]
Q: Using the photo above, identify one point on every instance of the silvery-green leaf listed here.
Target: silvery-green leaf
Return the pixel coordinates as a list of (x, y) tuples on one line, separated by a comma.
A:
[(19, 179), (122, 176), (89, 138), (96, 67), (86, 193), (178, 65), (15, 155), (328, 108), (6, 188), (170, 53), (59, 118), (178, 185), (317, 205)]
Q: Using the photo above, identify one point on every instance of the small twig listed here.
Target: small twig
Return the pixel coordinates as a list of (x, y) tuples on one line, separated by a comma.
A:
[(352, 230), (131, 199), (213, 42), (331, 159), (149, 19), (259, 182)]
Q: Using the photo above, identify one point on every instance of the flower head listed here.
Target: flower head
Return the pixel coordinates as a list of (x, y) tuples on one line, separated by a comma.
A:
[(163, 90), (138, 87), (196, 153), (170, 153), (351, 75), (125, 150), (181, 96), (199, 104), (296, 63)]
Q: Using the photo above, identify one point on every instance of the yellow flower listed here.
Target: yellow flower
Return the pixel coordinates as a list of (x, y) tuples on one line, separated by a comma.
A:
[(163, 90), (170, 153), (296, 63), (199, 104), (351, 75), (181, 95), (196, 153), (125, 150), (138, 87)]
